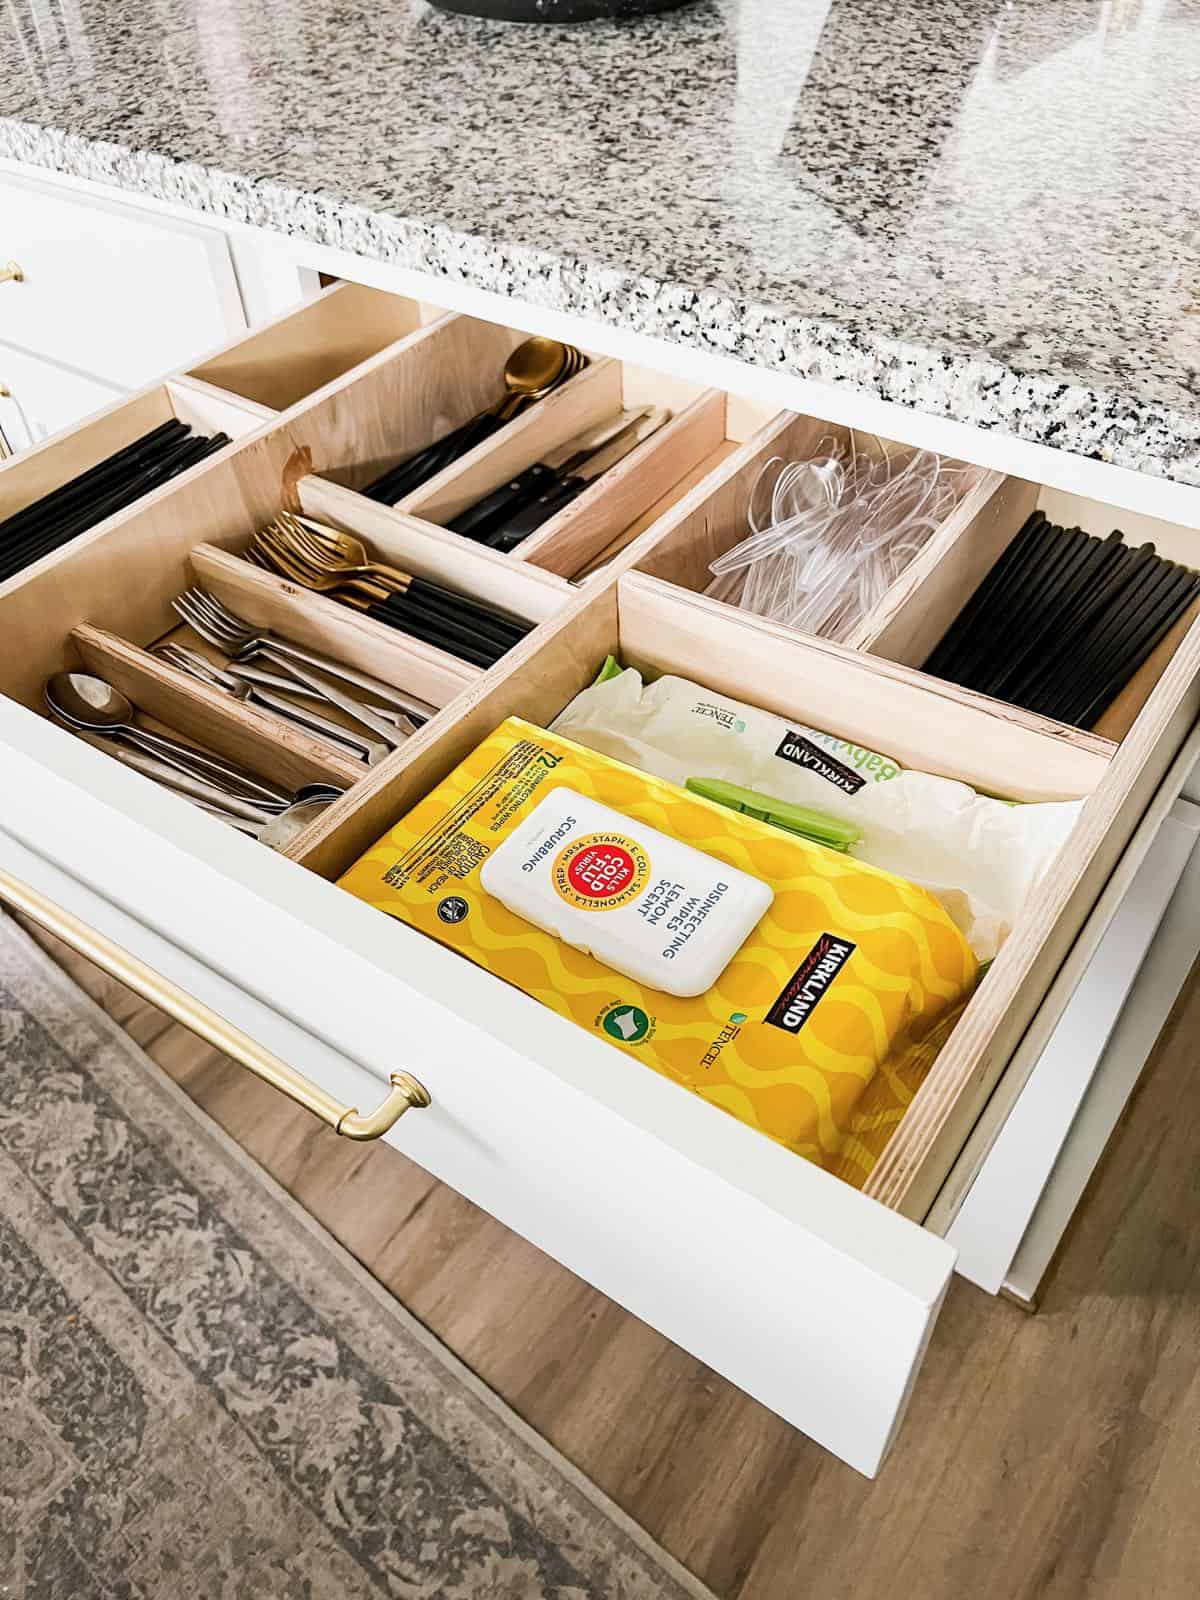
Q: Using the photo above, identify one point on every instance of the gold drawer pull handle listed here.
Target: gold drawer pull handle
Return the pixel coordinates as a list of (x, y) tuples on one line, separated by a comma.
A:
[(12, 272), (405, 1094)]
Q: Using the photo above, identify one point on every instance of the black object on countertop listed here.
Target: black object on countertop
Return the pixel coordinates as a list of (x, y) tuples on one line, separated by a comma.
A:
[(558, 10), (1063, 621)]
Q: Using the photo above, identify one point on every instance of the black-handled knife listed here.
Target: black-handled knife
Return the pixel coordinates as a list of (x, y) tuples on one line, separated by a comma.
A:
[(528, 518), (478, 520)]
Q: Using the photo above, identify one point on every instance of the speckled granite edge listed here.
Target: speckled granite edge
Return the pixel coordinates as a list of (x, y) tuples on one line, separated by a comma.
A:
[(974, 391)]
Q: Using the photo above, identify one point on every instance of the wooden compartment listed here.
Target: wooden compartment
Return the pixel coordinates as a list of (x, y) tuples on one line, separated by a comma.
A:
[(658, 628), (392, 405), (208, 716), (702, 431), (919, 621), (310, 346), (920, 606), (525, 1108), (715, 516), (439, 374), (105, 599), (30, 474)]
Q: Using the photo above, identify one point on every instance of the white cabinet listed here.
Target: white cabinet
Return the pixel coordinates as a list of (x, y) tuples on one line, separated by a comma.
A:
[(110, 291)]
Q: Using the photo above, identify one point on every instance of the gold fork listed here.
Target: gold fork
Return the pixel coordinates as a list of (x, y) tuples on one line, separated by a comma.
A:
[(305, 552), (329, 552), (268, 549), (335, 540)]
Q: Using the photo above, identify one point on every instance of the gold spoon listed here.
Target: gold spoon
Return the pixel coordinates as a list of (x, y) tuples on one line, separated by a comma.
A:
[(533, 369)]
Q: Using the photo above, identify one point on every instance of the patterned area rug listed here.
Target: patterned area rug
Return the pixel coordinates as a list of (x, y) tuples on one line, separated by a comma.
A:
[(202, 1397)]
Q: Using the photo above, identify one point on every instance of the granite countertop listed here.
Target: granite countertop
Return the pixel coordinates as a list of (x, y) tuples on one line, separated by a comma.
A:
[(981, 208)]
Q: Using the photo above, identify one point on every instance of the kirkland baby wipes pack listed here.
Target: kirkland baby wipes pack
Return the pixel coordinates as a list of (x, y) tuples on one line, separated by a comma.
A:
[(776, 978), (981, 857)]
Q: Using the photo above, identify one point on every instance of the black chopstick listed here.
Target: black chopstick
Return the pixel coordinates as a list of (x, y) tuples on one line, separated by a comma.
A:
[(95, 480), (1135, 649), (1063, 620), (1109, 571), (182, 453), (102, 490), (943, 660), (1019, 625)]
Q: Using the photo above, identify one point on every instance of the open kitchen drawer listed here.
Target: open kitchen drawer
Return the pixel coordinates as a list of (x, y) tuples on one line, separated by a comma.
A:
[(815, 1297)]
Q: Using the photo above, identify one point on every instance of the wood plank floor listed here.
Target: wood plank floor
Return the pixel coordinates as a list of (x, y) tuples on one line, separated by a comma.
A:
[(1055, 1455)]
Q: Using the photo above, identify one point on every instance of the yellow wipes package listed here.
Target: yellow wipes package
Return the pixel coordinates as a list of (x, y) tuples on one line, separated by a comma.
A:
[(774, 977)]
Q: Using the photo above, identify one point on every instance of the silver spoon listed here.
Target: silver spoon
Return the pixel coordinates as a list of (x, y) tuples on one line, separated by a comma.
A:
[(85, 701), (189, 784), (290, 824), (279, 832)]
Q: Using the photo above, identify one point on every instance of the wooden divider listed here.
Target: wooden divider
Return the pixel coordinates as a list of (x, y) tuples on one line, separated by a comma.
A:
[(310, 345), (591, 396), (920, 721), (611, 506), (431, 552), (29, 475), (318, 623), (213, 719)]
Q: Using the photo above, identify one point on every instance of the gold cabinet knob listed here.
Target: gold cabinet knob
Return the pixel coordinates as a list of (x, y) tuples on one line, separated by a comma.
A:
[(12, 272)]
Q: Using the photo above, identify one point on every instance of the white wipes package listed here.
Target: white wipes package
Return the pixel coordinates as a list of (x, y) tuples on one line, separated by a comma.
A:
[(982, 857), (672, 917)]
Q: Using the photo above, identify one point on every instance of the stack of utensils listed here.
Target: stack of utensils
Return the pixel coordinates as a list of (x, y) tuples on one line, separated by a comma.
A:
[(104, 717), (509, 514), (1063, 621), (109, 486), (337, 564), (533, 370), (832, 532), (291, 682)]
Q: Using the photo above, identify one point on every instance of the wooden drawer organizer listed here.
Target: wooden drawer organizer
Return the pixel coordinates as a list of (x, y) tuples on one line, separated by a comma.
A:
[(361, 384), (442, 371)]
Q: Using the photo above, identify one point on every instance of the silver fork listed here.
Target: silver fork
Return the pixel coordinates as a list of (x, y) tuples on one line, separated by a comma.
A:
[(236, 638), (247, 683), (235, 627)]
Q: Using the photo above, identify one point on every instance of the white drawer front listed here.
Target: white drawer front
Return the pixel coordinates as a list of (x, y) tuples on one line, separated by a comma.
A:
[(45, 397), (810, 1296), (108, 290)]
